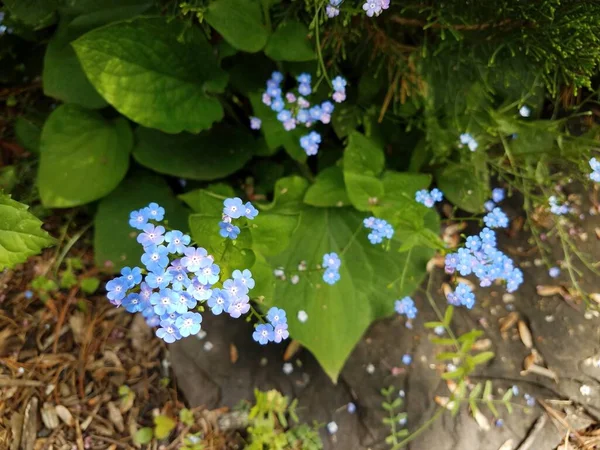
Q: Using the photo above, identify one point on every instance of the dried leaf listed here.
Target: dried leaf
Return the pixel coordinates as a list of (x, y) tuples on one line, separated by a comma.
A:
[(445, 402), (481, 420), (115, 416), (549, 291), (506, 323), (49, 416), (508, 445), (233, 353), (65, 415), (77, 324), (291, 350), (525, 334), (542, 371), (481, 345)]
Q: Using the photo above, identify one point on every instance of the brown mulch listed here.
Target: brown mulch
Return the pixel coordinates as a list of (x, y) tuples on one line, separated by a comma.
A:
[(63, 361)]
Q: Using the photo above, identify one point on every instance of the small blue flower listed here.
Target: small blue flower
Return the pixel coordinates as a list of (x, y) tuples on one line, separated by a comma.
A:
[(218, 301), (233, 207), (489, 205), (302, 116), (496, 219), (177, 241), (406, 307), (277, 104), (595, 165), (277, 77), (117, 288), (196, 259), (282, 116), (280, 332), (427, 198), (304, 78), (184, 302), (276, 316), (238, 306), (228, 230), (164, 301), (331, 276), (132, 303), (338, 83), (199, 290), (380, 230), (331, 261), (498, 195), (168, 332), (406, 359), (156, 258), (159, 279), (28, 294), (155, 212), (351, 408), (138, 219), (304, 89), (152, 235), (208, 274), (245, 277), (327, 107), (189, 323), (133, 276), (524, 111), (554, 272), (462, 295), (255, 123), (263, 333), (315, 114), (557, 209), (250, 212), (235, 288)]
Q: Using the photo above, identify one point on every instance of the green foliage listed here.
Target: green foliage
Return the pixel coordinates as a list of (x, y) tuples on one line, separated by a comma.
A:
[(289, 42), (83, 156), (21, 235), (390, 406)]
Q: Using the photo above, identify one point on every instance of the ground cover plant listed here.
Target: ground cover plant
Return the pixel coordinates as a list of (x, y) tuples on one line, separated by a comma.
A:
[(292, 162)]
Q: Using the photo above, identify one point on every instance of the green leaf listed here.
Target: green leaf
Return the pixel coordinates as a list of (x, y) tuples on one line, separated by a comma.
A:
[(90, 285), (36, 13), (287, 195), (475, 391), (208, 201), (290, 42), (462, 186), (28, 132), (63, 76), (115, 244), (446, 356), (487, 390), (142, 69), (239, 22), (275, 135), (363, 162), (370, 281), (143, 436), (328, 189), (271, 232), (482, 357), (458, 373), (163, 425), (345, 120), (83, 156), (8, 179), (21, 235), (206, 156), (448, 315)]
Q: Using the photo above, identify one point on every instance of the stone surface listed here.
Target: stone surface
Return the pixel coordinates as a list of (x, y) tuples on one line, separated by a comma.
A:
[(567, 342)]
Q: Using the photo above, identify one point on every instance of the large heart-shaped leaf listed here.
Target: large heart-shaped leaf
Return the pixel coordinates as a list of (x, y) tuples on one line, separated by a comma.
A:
[(35, 13), (21, 235), (239, 22), (83, 156), (463, 186), (290, 42), (328, 189), (371, 279), (115, 244), (207, 156), (142, 68)]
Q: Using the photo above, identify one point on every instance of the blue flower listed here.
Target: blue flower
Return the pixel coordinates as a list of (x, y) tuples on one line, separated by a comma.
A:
[(277, 104), (282, 116), (132, 303), (238, 306), (281, 332), (177, 241), (189, 323), (179, 280), (315, 114), (338, 83), (245, 277), (489, 205), (302, 116), (327, 107), (250, 212), (304, 78), (498, 195), (331, 276), (554, 272), (218, 301), (184, 302), (235, 288), (133, 276), (304, 89), (168, 332), (228, 230), (468, 140), (117, 288), (155, 212), (331, 261), (524, 111), (557, 209), (163, 301), (159, 279), (255, 123), (263, 333), (307, 143), (233, 207), (595, 165), (496, 219), (152, 235), (277, 77), (274, 91), (372, 7), (199, 290), (156, 258), (380, 230), (196, 259), (406, 359), (208, 274), (462, 295), (427, 198), (169, 318), (138, 219), (406, 307), (276, 316)]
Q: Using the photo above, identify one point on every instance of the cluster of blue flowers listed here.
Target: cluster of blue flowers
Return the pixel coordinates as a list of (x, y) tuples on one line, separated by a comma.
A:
[(406, 307), (595, 165), (428, 198), (481, 257), (332, 9), (274, 331), (462, 296), (555, 208), (294, 110), (469, 141), (178, 277), (496, 218), (497, 197), (380, 229), (234, 208), (371, 7), (331, 263)]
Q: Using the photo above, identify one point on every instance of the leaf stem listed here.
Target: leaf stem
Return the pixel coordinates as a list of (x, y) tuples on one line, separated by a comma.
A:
[(421, 429), (319, 53)]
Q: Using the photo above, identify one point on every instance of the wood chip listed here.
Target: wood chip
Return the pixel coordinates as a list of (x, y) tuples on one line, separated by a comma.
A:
[(481, 420), (508, 445), (65, 415), (525, 334), (16, 427), (506, 323), (77, 324), (549, 291), (538, 370), (30, 425), (291, 350), (233, 353), (115, 416), (49, 416)]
